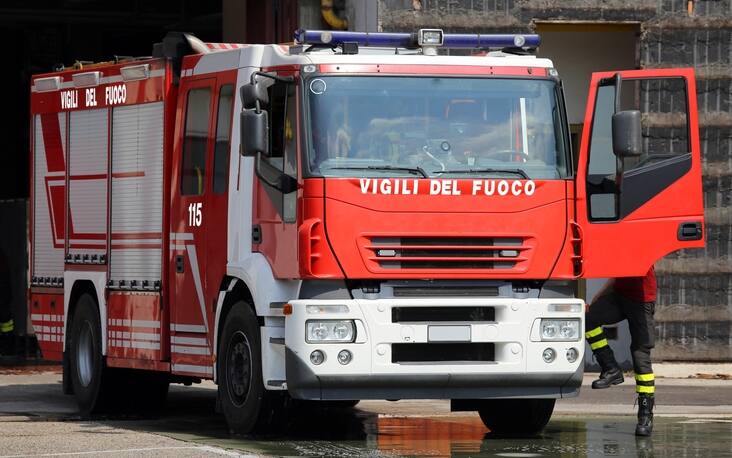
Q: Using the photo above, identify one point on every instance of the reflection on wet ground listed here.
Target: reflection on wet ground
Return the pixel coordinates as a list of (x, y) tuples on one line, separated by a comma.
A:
[(315, 431)]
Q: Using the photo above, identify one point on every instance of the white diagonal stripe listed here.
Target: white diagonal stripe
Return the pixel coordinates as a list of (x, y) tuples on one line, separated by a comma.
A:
[(207, 370), (189, 340), (146, 345), (193, 258), (145, 336), (187, 328), (189, 350)]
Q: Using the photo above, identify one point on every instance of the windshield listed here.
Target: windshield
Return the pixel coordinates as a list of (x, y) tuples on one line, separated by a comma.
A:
[(434, 127)]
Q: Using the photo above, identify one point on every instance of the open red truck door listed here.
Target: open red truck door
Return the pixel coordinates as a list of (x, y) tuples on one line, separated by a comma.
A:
[(639, 191)]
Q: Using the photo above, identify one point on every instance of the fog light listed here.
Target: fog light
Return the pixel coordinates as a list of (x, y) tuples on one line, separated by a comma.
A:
[(572, 355), (344, 357), (317, 357), (549, 354)]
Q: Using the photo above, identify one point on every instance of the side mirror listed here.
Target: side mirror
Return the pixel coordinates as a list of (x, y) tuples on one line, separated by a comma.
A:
[(252, 93), (627, 137), (254, 132)]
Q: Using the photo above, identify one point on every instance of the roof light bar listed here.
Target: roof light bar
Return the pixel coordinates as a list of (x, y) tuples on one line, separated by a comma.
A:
[(410, 40)]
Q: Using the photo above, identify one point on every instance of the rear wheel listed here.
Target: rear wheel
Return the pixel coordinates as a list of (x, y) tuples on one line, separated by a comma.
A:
[(516, 416), (246, 404), (87, 370)]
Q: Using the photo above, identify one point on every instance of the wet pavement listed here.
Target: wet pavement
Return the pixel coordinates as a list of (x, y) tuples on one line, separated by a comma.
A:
[(35, 419), (355, 433)]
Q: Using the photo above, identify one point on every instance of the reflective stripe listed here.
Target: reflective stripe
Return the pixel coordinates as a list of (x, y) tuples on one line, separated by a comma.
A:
[(645, 389), (645, 377), (7, 326), (599, 344), (593, 332)]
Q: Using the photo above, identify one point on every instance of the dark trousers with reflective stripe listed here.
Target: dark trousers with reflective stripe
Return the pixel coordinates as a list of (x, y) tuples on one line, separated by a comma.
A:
[(612, 308)]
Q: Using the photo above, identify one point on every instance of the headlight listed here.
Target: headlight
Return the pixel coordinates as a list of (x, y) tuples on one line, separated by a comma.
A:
[(560, 330), (319, 331)]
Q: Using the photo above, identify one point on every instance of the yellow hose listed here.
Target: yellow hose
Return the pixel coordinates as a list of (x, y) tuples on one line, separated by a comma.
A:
[(326, 9)]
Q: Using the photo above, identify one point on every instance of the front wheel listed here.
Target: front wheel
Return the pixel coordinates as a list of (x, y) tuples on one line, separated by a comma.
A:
[(516, 416), (246, 404)]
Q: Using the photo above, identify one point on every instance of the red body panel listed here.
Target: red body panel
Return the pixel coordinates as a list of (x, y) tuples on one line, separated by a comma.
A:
[(201, 248), (279, 239), (135, 327), (532, 212), (47, 317), (146, 306), (628, 248), (102, 95)]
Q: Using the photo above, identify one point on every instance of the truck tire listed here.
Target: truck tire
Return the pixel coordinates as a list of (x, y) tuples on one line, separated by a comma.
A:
[(244, 400), (516, 416), (86, 365)]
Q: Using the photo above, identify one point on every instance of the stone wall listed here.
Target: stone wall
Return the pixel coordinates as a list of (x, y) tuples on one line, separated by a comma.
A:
[(694, 312)]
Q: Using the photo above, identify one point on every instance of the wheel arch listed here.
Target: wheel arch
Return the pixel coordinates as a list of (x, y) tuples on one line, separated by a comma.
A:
[(94, 285), (232, 290)]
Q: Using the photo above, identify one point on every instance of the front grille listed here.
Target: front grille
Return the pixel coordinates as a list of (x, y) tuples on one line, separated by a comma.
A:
[(442, 314), (442, 352), (445, 252), (446, 291)]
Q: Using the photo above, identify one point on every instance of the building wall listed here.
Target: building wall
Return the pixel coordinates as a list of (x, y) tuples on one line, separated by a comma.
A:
[(694, 312)]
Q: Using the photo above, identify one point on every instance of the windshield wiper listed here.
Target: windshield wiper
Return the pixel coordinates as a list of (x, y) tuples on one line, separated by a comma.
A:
[(415, 170), (511, 171)]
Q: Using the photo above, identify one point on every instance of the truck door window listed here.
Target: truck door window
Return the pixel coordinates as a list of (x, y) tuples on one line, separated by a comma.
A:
[(283, 144), (223, 132), (662, 103), (602, 168), (277, 104), (665, 154), (290, 159), (193, 172)]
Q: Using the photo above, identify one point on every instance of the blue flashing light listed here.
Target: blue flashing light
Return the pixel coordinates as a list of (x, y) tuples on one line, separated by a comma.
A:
[(409, 40), (477, 40), (335, 38)]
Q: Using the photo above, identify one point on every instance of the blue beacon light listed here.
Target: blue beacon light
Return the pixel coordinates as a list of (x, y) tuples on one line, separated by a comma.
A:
[(410, 40)]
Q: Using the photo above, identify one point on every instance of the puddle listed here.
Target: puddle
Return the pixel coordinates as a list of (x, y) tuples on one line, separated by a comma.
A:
[(354, 433)]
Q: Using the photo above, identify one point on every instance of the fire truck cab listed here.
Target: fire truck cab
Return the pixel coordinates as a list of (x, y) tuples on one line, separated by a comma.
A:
[(353, 216)]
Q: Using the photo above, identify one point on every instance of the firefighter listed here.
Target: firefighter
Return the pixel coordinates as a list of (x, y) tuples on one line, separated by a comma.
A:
[(632, 299), (7, 326)]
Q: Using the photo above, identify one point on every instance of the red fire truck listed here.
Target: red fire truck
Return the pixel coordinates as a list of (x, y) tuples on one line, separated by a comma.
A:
[(352, 216)]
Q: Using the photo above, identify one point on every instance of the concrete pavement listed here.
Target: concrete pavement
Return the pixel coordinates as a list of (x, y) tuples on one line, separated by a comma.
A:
[(37, 420)]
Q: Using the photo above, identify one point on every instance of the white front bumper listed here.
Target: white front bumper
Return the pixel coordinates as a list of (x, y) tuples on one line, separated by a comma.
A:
[(514, 333)]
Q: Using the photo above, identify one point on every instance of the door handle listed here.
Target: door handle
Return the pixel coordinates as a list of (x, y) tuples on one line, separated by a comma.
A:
[(179, 264), (690, 231)]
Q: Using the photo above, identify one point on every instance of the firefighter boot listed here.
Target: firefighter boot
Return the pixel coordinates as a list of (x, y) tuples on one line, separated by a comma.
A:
[(645, 415), (610, 373)]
